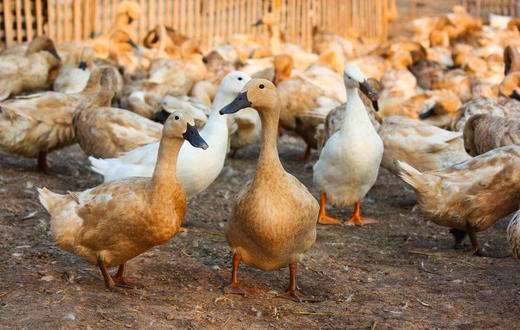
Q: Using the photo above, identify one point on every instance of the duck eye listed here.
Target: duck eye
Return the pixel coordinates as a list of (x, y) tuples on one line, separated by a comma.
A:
[(261, 86), (176, 117), (239, 78)]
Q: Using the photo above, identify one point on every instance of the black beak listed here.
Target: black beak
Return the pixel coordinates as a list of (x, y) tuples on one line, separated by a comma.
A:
[(427, 114), (161, 116), (82, 65), (515, 94), (370, 92), (54, 53), (130, 19), (193, 137), (132, 43), (205, 60), (259, 23), (240, 102)]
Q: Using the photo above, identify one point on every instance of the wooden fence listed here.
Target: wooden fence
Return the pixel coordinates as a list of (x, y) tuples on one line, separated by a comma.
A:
[(22, 20), (482, 8)]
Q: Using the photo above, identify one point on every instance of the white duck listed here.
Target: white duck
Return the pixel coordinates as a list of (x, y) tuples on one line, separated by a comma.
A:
[(349, 161), (196, 170)]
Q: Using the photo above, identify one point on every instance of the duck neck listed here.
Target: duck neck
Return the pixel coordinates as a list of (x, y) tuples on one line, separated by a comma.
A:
[(269, 161), (275, 38), (164, 179), (355, 110)]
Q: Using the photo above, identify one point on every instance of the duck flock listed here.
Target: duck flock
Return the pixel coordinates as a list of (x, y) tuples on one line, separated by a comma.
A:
[(440, 110)]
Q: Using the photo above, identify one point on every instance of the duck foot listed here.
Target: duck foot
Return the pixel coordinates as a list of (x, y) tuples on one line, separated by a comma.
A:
[(235, 288), (119, 278), (358, 220), (296, 296), (487, 254), (459, 236), (323, 218), (478, 250)]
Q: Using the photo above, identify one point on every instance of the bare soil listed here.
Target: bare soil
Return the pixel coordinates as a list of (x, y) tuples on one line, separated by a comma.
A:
[(399, 273)]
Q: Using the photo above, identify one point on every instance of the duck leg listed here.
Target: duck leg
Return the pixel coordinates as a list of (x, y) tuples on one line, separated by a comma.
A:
[(358, 220), (109, 282), (306, 155), (459, 236), (324, 219), (478, 250), (292, 293), (119, 278), (42, 162), (234, 287)]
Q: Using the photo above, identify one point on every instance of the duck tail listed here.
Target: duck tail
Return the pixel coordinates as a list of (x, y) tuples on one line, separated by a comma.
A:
[(100, 166), (410, 175), (48, 199)]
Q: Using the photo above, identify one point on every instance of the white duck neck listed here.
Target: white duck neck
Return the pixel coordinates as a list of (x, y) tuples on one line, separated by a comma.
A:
[(356, 113), (216, 121)]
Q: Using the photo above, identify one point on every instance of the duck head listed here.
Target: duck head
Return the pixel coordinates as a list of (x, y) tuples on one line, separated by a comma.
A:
[(260, 94), (354, 78), (511, 60), (233, 83), (43, 43), (180, 125), (283, 65)]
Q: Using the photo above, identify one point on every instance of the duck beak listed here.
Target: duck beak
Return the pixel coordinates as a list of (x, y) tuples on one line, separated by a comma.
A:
[(193, 137), (427, 114), (130, 19), (371, 93), (259, 23), (161, 116), (54, 53), (240, 102), (82, 65), (132, 43)]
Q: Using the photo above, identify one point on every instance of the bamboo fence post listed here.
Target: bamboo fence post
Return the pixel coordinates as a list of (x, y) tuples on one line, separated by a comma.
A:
[(18, 11), (190, 18), (39, 17), (197, 19), (183, 17), (152, 14), (29, 33), (211, 25), (160, 9), (168, 21), (67, 22), (176, 24), (105, 16), (77, 20), (8, 21)]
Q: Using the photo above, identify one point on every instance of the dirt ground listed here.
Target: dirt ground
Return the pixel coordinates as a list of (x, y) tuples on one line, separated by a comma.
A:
[(398, 273)]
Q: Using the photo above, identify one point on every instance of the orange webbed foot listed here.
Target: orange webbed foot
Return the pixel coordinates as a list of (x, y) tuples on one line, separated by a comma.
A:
[(235, 288), (360, 221), (295, 296), (326, 220)]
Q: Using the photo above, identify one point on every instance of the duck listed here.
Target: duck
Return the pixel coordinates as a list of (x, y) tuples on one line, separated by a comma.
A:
[(72, 78), (334, 119), (423, 146), (484, 132), (349, 161), (107, 132), (274, 215), (112, 223), (469, 197), (513, 234), (31, 72), (37, 124), (196, 170), (475, 106)]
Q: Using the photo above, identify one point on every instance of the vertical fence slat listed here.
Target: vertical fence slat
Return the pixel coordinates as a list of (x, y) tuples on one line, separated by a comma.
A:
[(8, 21), (39, 17), (19, 30), (77, 20), (28, 20)]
